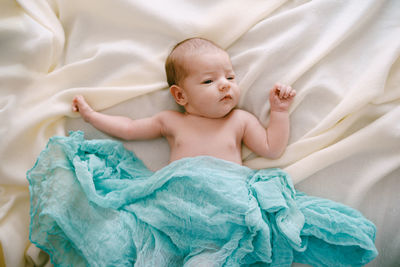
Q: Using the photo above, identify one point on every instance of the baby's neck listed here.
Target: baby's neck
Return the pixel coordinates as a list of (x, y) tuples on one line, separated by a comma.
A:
[(200, 116)]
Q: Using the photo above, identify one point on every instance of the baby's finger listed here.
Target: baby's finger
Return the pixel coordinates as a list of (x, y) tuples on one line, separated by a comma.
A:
[(290, 90), (75, 103), (285, 90), (277, 87), (282, 91), (274, 92)]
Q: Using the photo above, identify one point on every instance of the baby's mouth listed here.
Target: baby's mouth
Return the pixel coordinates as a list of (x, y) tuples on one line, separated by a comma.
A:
[(226, 97)]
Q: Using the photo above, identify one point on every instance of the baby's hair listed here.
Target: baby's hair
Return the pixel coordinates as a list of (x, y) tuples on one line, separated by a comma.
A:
[(175, 64)]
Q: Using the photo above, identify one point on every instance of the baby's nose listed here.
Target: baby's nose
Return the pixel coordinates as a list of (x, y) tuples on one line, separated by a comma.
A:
[(224, 85)]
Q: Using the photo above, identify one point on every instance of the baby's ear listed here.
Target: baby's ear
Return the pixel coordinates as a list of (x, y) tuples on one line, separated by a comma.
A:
[(179, 94)]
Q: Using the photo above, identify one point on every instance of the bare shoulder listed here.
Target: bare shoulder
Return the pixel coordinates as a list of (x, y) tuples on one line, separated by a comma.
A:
[(168, 115), (169, 120), (242, 115), (247, 121)]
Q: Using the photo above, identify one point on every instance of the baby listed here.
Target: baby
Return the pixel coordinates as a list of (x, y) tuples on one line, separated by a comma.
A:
[(198, 210), (202, 80)]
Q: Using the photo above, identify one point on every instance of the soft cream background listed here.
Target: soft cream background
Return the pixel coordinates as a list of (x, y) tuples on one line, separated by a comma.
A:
[(341, 56)]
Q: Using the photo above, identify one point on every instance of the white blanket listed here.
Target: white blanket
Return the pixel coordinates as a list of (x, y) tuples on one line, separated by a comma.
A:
[(342, 57)]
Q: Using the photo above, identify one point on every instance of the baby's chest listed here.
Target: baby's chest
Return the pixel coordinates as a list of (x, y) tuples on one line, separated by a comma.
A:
[(201, 137)]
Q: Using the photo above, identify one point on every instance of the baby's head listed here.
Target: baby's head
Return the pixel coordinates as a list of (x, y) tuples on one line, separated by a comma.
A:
[(180, 58), (201, 78)]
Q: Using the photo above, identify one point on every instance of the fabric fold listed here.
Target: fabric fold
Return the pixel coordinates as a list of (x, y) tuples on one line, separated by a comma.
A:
[(94, 202)]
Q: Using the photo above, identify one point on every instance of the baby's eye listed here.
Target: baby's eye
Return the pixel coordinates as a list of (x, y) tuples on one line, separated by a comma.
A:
[(231, 78), (207, 81)]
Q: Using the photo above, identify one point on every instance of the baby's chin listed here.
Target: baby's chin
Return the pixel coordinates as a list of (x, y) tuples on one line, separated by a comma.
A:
[(222, 115), (215, 115)]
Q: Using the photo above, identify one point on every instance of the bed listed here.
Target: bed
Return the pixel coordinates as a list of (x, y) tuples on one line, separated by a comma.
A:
[(342, 57)]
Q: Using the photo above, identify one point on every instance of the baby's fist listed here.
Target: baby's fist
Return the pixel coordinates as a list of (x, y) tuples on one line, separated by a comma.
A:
[(80, 105), (281, 97), (284, 91), (76, 102)]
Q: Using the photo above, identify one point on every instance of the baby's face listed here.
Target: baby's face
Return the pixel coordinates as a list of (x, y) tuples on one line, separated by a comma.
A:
[(210, 85)]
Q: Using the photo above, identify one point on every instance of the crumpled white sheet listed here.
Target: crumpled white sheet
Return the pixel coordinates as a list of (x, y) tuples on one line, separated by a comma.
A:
[(342, 57)]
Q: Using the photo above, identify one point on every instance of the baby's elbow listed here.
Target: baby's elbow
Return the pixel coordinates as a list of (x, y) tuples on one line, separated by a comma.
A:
[(274, 153)]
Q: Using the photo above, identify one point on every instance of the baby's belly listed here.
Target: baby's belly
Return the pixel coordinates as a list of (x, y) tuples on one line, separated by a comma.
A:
[(229, 152)]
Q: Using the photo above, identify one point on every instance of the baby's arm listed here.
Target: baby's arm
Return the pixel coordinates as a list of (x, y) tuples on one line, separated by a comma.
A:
[(121, 127), (272, 142)]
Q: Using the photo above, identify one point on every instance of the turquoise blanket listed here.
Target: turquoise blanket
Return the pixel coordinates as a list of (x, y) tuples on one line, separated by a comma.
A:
[(93, 203)]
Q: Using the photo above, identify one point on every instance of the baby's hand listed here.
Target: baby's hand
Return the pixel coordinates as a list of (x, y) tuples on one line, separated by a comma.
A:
[(80, 105), (281, 97)]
